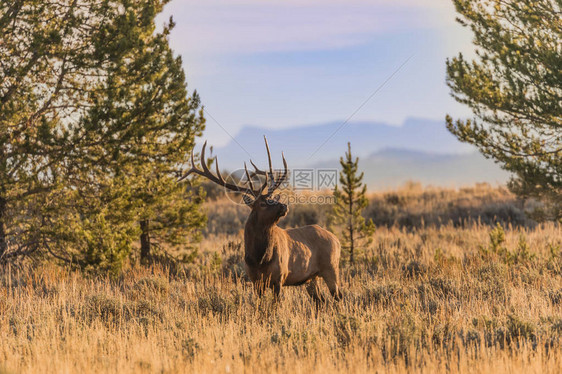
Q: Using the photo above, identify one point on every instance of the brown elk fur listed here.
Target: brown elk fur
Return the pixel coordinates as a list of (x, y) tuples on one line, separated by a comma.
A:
[(276, 257)]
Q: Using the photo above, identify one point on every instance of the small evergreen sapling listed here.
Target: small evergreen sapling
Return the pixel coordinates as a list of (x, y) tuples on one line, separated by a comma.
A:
[(351, 199)]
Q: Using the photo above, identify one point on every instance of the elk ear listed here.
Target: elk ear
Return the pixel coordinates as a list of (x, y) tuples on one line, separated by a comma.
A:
[(276, 197), (248, 200)]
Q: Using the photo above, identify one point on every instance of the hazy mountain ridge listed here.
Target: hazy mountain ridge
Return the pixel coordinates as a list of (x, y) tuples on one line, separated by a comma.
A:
[(420, 149), (306, 145), (393, 167)]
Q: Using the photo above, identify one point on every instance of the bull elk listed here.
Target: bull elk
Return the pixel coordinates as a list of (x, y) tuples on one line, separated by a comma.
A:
[(275, 257)]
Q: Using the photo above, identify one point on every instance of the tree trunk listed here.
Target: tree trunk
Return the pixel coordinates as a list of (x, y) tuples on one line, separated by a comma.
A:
[(351, 244), (3, 241), (145, 242)]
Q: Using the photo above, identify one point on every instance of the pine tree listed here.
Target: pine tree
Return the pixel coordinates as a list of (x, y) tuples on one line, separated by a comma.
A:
[(42, 90), (350, 200), (94, 132), (170, 217), (514, 88), (150, 123)]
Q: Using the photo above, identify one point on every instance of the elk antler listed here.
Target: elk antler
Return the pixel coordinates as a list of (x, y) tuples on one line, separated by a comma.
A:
[(276, 182), (218, 179)]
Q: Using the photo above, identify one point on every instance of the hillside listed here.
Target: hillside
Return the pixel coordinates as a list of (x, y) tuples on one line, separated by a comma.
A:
[(299, 143), (391, 168), (421, 150)]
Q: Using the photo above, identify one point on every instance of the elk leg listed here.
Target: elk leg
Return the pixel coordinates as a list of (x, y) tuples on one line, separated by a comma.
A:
[(277, 290), (313, 290), (332, 279), (259, 287)]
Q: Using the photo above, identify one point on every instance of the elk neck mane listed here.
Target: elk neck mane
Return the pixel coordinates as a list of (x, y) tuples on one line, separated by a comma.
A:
[(260, 240)]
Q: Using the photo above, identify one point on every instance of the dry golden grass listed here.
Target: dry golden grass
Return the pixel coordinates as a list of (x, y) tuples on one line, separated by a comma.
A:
[(425, 300), (416, 206), (409, 206)]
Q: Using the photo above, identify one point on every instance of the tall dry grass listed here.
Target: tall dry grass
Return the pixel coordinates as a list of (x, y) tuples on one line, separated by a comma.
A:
[(411, 206), (431, 299)]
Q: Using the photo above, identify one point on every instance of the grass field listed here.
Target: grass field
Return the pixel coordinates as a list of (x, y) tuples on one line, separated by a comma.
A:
[(448, 297)]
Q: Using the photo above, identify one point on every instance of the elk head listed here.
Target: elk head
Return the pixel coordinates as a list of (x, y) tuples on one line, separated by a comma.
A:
[(266, 208)]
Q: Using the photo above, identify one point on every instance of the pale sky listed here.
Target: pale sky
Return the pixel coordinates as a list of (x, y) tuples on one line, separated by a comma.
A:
[(287, 63)]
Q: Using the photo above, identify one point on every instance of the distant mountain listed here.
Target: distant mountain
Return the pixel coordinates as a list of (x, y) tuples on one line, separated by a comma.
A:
[(307, 145), (419, 150), (393, 167)]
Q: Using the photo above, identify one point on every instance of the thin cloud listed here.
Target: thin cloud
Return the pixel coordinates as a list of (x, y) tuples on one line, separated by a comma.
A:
[(327, 57), (218, 27)]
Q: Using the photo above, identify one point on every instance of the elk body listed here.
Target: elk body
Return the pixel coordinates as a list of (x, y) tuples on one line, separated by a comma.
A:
[(275, 257)]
